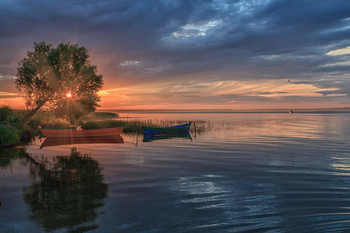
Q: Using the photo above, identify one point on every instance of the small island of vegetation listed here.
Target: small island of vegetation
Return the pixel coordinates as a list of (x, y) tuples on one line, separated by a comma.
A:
[(60, 88)]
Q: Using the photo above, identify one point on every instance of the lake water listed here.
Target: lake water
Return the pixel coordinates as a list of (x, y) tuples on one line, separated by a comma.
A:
[(235, 172)]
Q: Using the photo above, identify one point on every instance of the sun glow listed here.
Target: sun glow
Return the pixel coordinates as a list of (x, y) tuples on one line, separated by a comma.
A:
[(69, 95)]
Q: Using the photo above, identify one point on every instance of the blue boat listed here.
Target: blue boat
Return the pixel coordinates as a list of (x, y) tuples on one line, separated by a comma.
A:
[(151, 137), (177, 129)]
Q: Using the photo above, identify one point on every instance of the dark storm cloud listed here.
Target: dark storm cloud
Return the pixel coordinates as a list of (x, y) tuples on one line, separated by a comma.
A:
[(158, 40), (293, 30), (129, 28)]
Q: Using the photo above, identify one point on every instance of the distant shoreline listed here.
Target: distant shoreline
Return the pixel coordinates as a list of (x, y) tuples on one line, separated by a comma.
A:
[(296, 110)]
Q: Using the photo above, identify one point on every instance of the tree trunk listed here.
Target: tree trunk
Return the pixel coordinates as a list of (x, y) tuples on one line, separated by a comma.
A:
[(31, 113)]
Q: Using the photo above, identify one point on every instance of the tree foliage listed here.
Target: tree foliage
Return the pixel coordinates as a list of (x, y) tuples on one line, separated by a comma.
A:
[(48, 73)]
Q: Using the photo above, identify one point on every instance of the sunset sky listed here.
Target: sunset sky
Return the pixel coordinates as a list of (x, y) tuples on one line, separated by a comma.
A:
[(174, 54)]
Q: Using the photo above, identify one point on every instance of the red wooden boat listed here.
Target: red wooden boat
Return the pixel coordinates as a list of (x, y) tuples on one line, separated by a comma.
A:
[(81, 140), (65, 133)]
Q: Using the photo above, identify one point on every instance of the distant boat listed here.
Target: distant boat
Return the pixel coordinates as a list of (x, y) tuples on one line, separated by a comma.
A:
[(65, 133), (291, 111), (177, 129), (81, 140)]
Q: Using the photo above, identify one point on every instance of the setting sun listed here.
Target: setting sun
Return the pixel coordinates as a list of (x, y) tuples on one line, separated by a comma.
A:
[(69, 95)]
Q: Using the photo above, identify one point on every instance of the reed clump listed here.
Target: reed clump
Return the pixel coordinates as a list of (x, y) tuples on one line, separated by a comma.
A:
[(99, 116)]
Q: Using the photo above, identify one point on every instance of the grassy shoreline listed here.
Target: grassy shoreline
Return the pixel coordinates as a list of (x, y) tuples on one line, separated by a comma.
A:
[(13, 132)]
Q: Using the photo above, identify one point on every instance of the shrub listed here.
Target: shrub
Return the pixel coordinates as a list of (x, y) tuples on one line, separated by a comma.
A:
[(8, 137), (6, 114)]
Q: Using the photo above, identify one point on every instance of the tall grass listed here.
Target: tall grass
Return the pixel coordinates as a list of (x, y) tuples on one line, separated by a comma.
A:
[(129, 126), (99, 116), (135, 126)]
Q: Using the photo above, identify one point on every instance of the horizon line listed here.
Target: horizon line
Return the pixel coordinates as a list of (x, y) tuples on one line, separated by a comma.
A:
[(227, 110)]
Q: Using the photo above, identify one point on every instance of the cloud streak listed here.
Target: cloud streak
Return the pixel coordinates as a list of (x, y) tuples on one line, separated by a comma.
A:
[(228, 93)]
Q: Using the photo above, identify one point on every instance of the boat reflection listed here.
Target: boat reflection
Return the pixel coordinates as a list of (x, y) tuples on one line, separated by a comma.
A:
[(150, 137), (65, 192), (80, 140)]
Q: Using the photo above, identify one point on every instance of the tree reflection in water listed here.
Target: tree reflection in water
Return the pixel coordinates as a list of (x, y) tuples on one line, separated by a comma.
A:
[(8, 155), (68, 194)]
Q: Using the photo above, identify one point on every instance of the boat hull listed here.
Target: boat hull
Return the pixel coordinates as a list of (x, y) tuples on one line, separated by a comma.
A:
[(150, 137), (65, 133), (178, 129), (81, 140)]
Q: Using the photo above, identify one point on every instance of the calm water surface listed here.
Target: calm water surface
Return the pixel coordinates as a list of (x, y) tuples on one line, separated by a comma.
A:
[(234, 173)]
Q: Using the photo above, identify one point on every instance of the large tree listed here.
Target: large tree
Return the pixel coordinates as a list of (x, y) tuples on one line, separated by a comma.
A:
[(61, 78)]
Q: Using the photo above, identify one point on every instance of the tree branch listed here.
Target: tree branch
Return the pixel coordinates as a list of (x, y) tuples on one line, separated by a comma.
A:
[(32, 112)]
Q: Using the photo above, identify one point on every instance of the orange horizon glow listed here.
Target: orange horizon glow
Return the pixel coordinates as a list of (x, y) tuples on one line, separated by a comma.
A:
[(232, 94), (108, 105)]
